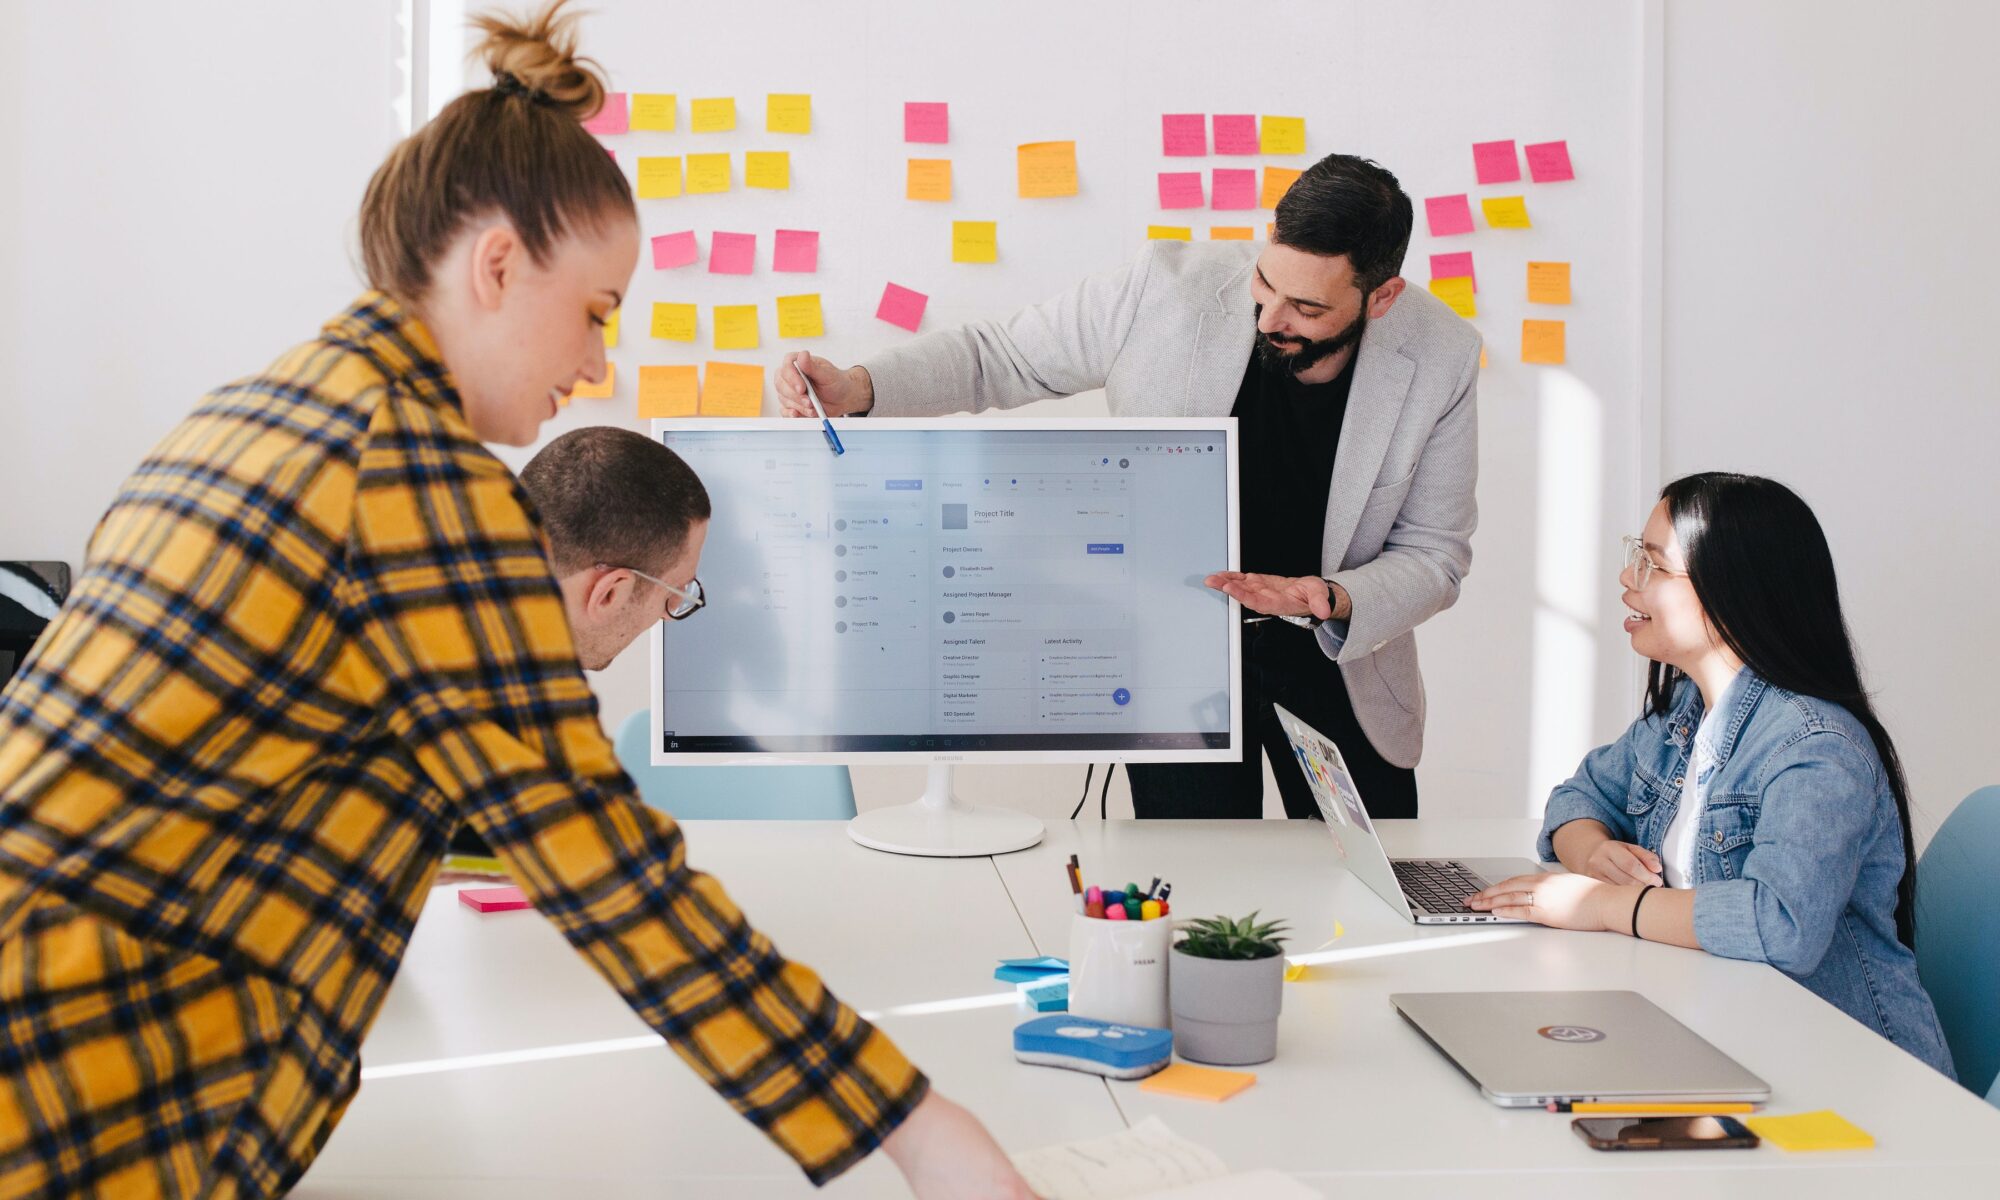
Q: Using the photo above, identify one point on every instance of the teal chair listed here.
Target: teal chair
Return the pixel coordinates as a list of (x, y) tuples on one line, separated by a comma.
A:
[(1958, 941), (740, 793)]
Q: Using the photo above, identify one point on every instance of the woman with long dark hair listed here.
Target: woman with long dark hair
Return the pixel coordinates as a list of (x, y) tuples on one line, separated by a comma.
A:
[(1757, 809)]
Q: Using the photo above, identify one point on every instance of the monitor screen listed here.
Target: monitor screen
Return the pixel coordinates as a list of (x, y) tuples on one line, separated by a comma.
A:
[(959, 589)]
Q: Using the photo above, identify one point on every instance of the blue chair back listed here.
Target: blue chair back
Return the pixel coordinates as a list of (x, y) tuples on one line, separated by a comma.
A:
[(792, 793), (1958, 939)]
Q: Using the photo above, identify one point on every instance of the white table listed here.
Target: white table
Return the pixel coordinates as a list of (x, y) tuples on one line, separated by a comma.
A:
[(1354, 1100)]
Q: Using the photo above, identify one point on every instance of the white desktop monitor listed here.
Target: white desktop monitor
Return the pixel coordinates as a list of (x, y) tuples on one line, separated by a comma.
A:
[(956, 590)]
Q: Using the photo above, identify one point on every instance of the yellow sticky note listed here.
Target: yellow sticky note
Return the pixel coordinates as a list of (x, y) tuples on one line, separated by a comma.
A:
[(929, 179), (673, 322), (660, 178), (1542, 342), (1231, 233), (1277, 181), (1822, 1130), (1548, 283), (800, 317), (1281, 135), (788, 112), (735, 327), (1169, 233), (714, 115), (652, 110), (708, 173), (1045, 169), (1198, 1083), (1456, 292), (668, 391), (732, 390), (611, 329), (1506, 212), (975, 241), (596, 391), (768, 169)]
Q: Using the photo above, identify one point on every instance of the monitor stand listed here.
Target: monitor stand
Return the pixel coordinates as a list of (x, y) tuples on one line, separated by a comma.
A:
[(939, 825)]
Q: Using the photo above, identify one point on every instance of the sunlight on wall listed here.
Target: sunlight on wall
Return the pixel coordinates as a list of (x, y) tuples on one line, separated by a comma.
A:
[(1570, 580)]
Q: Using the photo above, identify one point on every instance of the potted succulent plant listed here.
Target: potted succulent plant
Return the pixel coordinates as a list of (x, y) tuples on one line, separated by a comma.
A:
[(1226, 987)]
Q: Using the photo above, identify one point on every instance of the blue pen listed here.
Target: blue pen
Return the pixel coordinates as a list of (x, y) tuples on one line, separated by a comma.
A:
[(826, 426)]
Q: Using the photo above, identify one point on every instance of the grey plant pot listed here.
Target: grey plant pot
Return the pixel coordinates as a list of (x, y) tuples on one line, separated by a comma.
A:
[(1226, 1010)]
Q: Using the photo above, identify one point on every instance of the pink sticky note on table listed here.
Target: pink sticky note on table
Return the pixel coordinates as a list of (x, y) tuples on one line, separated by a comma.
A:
[(925, 122), (797, 250), (675, 250), (1236, 133), (1548, 162), (1233, 188), (732, 254), (1180, 189), (614, 117), (1495, 162), (1454, 266), (1448, 215), (494, 899), (902, 307), (1184, 135)]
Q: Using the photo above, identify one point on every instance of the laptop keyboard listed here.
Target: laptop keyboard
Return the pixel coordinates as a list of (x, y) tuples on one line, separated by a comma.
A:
[(1437, 885)]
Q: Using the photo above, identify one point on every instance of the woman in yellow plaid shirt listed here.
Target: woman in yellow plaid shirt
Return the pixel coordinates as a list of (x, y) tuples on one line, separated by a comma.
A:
[(315, 632)]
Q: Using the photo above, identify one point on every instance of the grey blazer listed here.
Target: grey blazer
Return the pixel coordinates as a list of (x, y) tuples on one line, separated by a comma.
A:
[(1170, 334)]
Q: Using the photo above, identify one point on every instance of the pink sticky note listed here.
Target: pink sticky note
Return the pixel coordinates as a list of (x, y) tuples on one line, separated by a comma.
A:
[(1184, 135), (1454, 266), (1180, 189), (902, 307), (1448, 215), (675, 250), (1495, 162), (1235, 189), (926, 122), (1548, 162), (732, 254), (494, 899), (612, 118), (797, 250), (1236, 133)]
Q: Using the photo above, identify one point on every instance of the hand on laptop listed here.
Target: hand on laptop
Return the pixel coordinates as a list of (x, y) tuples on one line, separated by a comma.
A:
[(1560, 901)]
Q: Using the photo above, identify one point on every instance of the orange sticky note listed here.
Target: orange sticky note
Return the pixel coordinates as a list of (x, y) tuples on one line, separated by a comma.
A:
[(1542, 342), (660, 178), (668, 391), (1046, 169), (653, 111), (1456, 291), (1231, 233), (673, 322), (1506, 212), (707, 173), (1548, 283), (975, 241), (596, 391), (929, 179), (1198, 1083), (1169, 233), (788, 112), (770, 169), (1281, 135), (714, 115), (1277, 181), (735, 327), (732, 390)]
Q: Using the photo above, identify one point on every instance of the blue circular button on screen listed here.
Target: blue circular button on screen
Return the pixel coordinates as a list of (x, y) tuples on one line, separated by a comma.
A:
[(1121, 697)]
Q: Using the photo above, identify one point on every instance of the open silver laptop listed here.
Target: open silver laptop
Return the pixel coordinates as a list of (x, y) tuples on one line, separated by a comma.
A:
[(1532, 1049), (1429, 891)]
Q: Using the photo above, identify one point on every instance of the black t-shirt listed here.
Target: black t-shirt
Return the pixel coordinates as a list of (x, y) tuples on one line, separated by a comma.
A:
[(1288, 434)]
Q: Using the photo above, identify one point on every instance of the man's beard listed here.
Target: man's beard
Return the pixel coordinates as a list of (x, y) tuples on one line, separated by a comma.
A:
[(1274, 359)]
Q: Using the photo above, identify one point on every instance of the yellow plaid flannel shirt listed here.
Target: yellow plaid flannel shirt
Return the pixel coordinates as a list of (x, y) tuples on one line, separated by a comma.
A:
[(316, 630)]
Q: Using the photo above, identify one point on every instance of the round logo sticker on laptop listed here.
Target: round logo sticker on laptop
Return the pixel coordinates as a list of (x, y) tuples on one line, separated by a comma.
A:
[(1571, 1033)]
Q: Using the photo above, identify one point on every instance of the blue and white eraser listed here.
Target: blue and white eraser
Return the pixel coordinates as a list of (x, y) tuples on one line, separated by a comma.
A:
[(1098, 1047)]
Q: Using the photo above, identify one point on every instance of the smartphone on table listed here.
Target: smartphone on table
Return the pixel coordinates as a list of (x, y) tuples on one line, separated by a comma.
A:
[(1664, 1133)]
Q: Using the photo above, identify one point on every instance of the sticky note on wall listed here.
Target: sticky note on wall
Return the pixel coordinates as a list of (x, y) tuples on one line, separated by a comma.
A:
[(800, 317), (660, 178), (732, 390), (654, 111), (1281, 135), (732, 253), (1456, 292), (1448, 215), (1506, 212), (715, 114), (768, 169), (707, 174), (1169, 233), (735, 326), (611, 329), (1180, 189), (668, 391), (797, 251), (1232, 188), (1277, 181), (1542, 342), (929, 179), (1451, 266), (1045, 169), (1548, 283), (1184, 135), (675, 250), (788, 112), (1231, 233), (673, 322), (901, 307), (1236, 133), (613, 118), (1495, 162), (924, 121), (975, 241), (1548, 162)]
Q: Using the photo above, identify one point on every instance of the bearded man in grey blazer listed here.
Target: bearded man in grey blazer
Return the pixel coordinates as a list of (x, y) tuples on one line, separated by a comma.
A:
[(1354, 397)]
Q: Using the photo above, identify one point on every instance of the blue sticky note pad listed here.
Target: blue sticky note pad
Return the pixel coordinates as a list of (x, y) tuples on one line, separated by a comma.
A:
[(1047, 962), (1099, 1047), (1049, 995), (1021, 970)]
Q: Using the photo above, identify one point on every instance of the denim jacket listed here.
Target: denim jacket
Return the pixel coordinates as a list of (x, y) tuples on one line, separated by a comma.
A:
[(1799, 850)]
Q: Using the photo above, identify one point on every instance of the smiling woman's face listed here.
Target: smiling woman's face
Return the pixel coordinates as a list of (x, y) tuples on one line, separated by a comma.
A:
[(1667, 622)]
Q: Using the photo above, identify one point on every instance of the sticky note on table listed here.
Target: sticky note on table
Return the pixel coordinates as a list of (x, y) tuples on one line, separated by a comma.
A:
[(797, 251), (788, 112), (1495, 162), (735, 326), (1184, 135), (612, 118), (732, 390), (597, 391), (732, 253), (1045, 169), (1236, 133), (1281, 135), (1548, 283), (800, 317), (716, 114), (653, 110), (1548, 162), (1542, 342), (1170, 233), (1231, 233), (1506, 212), (1181, 189), (673, 322), (926, 122), (707, 174), (1452, 266), (493, 899), (770, 169), (1822, 1130), (1277, 181), (929, 179), (901, 307), (1198, 1083), (660, 178), (975, 241), (668, 391), (611, 329), (1448, 215), (1456, 291), (1232, 187), (675, 250)]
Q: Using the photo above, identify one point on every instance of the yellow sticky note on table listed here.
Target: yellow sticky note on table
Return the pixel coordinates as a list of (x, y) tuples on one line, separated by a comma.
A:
[(596, 391), (1457, 293), (1281, 135), (673, 322), (1548, 283), (929, 179), (1231, 233), (735, 327), (975, 241), (611, 329), (708, 173), (1169, 233), (713, 115), (1277, 181), (732, 390), (1198, 1083), (800, 317), (668, 391), (653, 110), (1822, 1130), (1045, 169), (788, 112), (1542, 342), (660, 178), (768, 169), (1506, 212)]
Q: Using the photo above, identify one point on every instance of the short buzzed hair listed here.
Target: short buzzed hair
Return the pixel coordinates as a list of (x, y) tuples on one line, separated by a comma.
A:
[(609, 495)]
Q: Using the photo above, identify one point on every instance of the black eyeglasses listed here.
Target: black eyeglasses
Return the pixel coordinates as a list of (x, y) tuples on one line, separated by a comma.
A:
[(687, 601)]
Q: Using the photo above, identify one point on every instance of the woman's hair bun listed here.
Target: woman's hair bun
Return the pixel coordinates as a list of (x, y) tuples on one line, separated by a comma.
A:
[(539, 52)]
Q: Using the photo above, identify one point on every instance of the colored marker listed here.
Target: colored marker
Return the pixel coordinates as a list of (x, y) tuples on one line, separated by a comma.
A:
[(1094, 908), (1133, 907), (1094, 895), (1149, 911), (1116, 913)]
